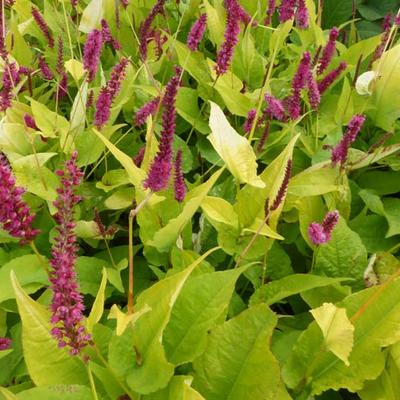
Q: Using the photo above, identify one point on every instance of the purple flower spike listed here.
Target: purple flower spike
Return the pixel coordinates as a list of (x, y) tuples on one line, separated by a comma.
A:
[(10, 80), (67, 303), (147, 109), (329, 51), (5, 343), (107, 36), (138, 159), (313, 92), (145, 31), (108, 94), (45, 70), (384, 39), (320, 234), (179, 182), (302, 15), (233, 6), (250, 120), (30, 122), (197, 32), (339, 152), (316, 234), (287, 10), (283, 188), (15, 215), (41, 23), (274, 109), (263, 138), (160, 169), (331, 77), (91, 53), (270, 12)]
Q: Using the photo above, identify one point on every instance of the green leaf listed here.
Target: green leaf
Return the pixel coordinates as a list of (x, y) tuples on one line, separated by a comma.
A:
[(386, 95), (219, 210), (178, 389), (47, 364), (165, 237), (50, 123), (337, 330), (202, 303), (58, 392), (98, 305), (234, 149), (276, 291), (343, 255), (237, 363), (392, 214), (375, 314), (91, 16), (150, 371), (124, 320), (29, 272)]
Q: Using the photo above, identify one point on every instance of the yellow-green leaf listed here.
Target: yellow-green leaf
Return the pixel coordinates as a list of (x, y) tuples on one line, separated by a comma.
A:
[(123, 320), (98, 305), (91, 16)]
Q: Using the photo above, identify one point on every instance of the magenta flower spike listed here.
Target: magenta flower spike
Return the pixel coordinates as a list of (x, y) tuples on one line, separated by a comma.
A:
[(302, 18), (10, 80), (322, 233), (263, 138), (196, 32), (331, 77), (67, 303), (15, 215), (287, 10), (147, 109), (235, 7), (30, 122), (45, 70), (386, 25), (41, 23), (270, 12), (274, 108), (107, 36), (5, 343), (60, 56), (108, 94), (139, 157), (250, 120), (179, 182), (160, 169), (313, 92), (91, 53), (339, 152), (328, 51), (283, 188), (145, 31)]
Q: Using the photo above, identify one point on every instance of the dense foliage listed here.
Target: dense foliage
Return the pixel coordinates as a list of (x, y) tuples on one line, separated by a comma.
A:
[(199, 200)]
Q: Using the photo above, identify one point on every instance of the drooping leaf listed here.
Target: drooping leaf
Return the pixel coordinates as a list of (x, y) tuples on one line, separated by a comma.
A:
[(98, 306), (337, 330)]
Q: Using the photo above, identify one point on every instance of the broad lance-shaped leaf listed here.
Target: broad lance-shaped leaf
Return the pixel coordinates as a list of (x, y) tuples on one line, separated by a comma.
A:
[(123, 320), (165, 238), (233, 148), (29, 272), (237, 363), (375, 314), (386, 95), (138, 355), (343, 255), (56, 392), (47, 364), (177, 389), (98, 305), (91, 16), (135, 174), (275, 291), (202, 303), (337, 330), (250, 201)]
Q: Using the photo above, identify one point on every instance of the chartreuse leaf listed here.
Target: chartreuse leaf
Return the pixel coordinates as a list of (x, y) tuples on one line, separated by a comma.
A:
[(58, 392), (237, 363), (29, 272), (343, 255), (203, 301), (251, 200), (233, 148), (338, 331), (219, 210), (135, 174), (47, 364), (98, 305), (275, 291), (178, 389), (375, 314), (91, 16), (138, 355), (50, 123), (123, 320), (386, 95), (165, 237)]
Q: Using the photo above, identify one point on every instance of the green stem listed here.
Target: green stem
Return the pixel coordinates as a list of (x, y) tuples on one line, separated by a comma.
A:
[(92, 384), (40, 258)]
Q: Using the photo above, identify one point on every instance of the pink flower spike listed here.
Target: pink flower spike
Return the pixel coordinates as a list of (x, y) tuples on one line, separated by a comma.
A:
[(331, 77), (45, 70), (91, 53), (30, 122), (5, 343), (316, 234), (250, 120), (147, 109), (197, 32), (287, 10), (274, 109), (41, 23), (313, 92), (283, 188), (329, 51), (302, 15), (179, 182), (270, 12), (329, 222)]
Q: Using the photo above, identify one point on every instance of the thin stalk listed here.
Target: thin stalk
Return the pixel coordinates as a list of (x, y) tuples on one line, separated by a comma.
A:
[(92, 384), (40, 258)]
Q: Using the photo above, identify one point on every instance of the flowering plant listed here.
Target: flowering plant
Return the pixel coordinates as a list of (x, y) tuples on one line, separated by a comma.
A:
[(199, 200)]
